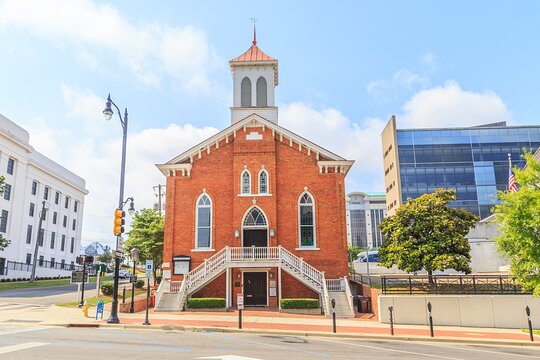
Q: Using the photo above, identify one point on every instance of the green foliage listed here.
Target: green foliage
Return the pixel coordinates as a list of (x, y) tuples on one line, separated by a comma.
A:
[(353, 252), (107, 288), (427, 234), (519, 217), (147, 235), (299, 303), (105, 258), (139, 284), (205, 303)]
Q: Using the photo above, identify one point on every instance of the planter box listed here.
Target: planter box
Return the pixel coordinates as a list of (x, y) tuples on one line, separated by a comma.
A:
[(316, 311), (208, 310)]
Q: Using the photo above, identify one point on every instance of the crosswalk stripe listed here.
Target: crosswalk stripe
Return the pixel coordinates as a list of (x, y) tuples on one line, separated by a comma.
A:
[(12, 348)]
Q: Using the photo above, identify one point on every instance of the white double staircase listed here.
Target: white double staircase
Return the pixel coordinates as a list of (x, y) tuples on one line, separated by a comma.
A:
[(172, 295)]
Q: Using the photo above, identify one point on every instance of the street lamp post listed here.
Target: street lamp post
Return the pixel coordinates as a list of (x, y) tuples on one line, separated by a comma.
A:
[(108, 113), (134, 257)]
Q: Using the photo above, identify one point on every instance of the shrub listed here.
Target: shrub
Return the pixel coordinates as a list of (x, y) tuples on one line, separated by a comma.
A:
[(107, 288), (8, 280), (2, 280), (205, 303), (299, 303), (139, 284)]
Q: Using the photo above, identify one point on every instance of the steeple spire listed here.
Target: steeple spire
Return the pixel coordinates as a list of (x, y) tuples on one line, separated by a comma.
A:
[(254, 31)]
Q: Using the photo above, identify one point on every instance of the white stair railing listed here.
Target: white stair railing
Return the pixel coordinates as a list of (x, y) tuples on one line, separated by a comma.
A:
[(216, 264), (349, 296)]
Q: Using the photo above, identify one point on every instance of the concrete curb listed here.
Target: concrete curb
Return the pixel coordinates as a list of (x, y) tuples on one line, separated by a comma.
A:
[(451, 340)]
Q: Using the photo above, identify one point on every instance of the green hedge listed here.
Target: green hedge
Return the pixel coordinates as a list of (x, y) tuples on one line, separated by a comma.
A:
[(107, 288), (205, 303), (299, 303), (139, 284)]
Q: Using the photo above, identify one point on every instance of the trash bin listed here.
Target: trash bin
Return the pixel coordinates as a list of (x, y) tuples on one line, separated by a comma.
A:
[(365, 304)]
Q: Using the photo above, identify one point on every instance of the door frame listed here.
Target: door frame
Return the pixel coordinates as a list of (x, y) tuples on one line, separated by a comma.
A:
[(244, 228), (259, 271)]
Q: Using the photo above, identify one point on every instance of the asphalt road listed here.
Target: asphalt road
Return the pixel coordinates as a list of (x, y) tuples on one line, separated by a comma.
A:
[(26, 341), (50, 295)]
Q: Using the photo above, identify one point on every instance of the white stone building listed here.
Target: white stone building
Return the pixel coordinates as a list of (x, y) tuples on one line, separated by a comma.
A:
[(31, 179), (365, 211)]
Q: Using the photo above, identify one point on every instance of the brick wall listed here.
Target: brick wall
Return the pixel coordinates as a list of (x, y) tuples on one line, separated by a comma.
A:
[(291, 171)]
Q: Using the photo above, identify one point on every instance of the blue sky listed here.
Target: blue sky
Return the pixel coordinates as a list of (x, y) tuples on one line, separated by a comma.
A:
[(344, 68)]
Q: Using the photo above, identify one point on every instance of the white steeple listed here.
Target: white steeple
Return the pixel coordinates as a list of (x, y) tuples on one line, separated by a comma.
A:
[(255, 77)]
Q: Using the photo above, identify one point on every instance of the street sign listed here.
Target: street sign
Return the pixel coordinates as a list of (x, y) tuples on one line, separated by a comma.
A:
[(240, 301), (133, 279), (120, 245), (77, 276), (149, 268), (119, 254)]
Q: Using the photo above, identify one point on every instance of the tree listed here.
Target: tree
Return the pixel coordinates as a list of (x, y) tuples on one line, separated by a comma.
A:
[(4, 243), (105, 258), (519, 217), (147, 235), (427, 234), (353, 254)]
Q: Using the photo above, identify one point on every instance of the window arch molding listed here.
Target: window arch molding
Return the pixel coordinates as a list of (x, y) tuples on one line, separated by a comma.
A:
[(307, 229), (245, 182), (245, 92), (203, 221), (263, 180), (254, 217), (262, 91)]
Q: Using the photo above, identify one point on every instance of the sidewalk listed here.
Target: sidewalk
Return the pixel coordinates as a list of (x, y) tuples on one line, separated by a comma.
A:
[(263, 322)]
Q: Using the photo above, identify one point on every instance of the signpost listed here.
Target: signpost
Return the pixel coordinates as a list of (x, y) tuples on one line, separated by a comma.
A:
[(240, 304), (149, 270)]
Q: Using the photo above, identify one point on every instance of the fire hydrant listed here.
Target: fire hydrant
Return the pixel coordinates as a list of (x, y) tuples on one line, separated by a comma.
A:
[(85, 309)]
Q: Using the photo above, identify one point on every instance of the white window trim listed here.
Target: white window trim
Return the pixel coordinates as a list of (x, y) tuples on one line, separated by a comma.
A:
[(196, 247), (300, 246), (267, 182), (242, 182)]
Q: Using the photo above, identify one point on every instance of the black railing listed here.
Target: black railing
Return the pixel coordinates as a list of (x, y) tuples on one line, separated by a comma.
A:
[(366, 280), (451, 284), (19, 266)]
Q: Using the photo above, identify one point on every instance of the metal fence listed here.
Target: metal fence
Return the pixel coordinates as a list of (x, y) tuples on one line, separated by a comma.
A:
[(19, 266), (451, 284), (372, 281)]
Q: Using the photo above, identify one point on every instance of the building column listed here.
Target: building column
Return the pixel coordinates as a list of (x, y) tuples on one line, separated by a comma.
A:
[(228, 287), (279, 287)]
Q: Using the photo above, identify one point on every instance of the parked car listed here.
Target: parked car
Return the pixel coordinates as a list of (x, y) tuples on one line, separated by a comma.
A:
[(124, 274), (373, 256)]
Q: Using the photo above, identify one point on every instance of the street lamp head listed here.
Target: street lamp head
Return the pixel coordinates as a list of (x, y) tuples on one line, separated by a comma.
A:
[(134, 254), (108, 112), (131, 209)]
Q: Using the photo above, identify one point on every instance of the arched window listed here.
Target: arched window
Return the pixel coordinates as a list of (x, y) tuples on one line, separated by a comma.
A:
[(245, 182), (245, 92), (263, 182), (203, 229), (262, 98), (255, 218), (306, 223)]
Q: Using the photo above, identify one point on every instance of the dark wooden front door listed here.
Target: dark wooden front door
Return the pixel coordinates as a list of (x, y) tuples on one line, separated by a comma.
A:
[(255, 238), (255, 289)]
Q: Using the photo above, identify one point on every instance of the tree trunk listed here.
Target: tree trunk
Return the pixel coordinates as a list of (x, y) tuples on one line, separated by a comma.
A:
[(430, 277)]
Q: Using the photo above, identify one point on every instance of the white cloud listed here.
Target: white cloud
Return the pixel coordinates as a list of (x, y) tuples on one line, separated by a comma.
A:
[(88, 59), (151, 51), (403, 79), (332, 130), (449, 105)]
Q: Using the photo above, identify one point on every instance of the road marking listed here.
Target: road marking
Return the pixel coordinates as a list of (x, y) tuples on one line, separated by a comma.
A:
[(5, 330), (486, 351), (12, 348), (230, 357), (391, 350)]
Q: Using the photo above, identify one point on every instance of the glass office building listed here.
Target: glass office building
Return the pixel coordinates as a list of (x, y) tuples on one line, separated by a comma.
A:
[(473, 161)]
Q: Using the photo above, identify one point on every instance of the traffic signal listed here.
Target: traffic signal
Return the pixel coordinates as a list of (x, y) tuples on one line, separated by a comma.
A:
[(119, 221)]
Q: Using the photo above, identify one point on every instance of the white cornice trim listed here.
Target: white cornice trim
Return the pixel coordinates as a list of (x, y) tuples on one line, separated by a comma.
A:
[(171, 169), (253, 120), (337, 166)]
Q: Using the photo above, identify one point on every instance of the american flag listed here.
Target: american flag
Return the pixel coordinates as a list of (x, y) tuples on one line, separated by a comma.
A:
[(512, 186)]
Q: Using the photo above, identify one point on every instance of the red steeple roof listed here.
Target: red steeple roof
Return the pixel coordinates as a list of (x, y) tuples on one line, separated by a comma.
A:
[(253, 53)]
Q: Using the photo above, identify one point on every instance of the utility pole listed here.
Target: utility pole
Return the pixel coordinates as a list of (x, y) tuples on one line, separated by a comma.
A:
[(38, 240), (159, 195)]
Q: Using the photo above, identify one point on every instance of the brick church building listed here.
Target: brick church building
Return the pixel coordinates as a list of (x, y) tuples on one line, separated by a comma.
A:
[(255, 209)]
